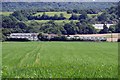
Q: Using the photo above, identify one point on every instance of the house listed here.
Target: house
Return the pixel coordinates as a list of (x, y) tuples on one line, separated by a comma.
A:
[(100, 26), (29, 36)]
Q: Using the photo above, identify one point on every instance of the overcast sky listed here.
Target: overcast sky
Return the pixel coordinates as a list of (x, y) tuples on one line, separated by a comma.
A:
[(59, 0)]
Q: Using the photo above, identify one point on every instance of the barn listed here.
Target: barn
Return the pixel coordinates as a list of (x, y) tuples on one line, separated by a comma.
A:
[(29, 36)]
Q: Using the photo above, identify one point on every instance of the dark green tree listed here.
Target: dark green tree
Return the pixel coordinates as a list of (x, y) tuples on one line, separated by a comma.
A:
[(62, 16), (44, 16), (73, 17), (118, 25), (104, 30), (70, 28), (83, 16), (103, 17), (55, 17), (112, 28), (18, 15)]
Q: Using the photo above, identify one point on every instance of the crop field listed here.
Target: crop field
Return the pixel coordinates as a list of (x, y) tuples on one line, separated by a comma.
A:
[(59, 59)]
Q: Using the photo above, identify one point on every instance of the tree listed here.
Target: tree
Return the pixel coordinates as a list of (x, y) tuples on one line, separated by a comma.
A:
[(61, 16), (70, 28), (83, 15), (117, 28), (103, 17), (73, 17), (21, 27), (112, 28), (40, 36), (18, 15), (44, 16), (85, 28), (118, 8), (75, 11), (104, 30), (9, 21), (55, 17), (3, 37), (69, 11), (50, 27), (118, 25)]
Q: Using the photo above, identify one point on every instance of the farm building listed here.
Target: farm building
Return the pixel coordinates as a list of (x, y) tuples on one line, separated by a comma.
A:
[(97, 37), (100, 26), (29, 36), (88, 38)]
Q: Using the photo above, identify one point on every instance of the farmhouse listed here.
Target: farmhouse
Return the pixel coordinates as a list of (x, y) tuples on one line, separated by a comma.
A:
[(29, 36), (100, 26)]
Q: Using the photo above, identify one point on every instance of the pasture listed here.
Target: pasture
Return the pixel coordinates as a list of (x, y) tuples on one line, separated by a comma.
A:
[(5, 13), (65, 14), (59, 59), (53, 13), (56, 21)]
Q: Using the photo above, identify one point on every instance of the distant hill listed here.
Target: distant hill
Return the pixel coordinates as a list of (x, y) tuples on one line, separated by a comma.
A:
[(13, 6)]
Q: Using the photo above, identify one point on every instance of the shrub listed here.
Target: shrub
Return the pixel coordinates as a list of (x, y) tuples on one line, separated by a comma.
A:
[(17, 39)]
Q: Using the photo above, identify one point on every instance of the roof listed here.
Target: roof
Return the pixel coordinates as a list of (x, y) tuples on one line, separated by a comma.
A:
[(100, 26), (23, 33)]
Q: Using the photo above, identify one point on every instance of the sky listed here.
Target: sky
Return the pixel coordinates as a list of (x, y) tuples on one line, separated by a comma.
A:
[(59, 0)]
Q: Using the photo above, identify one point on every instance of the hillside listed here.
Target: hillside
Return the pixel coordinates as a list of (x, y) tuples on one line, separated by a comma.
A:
[(71, 19), (13, 6)]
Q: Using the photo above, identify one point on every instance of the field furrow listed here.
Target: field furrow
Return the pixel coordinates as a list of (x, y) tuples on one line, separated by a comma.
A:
[(60, 59)]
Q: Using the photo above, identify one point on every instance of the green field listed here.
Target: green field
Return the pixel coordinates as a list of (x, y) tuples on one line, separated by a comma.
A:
[(59, 59), (53, 13), (93, 15), (65, 14), (58, 13), (5, 13), (56, 21)]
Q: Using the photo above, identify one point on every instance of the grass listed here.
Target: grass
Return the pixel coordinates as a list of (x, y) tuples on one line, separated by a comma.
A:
[(93, 15), (56, 21), (53, 13), (59, 60), (65, 14), (5, 13)]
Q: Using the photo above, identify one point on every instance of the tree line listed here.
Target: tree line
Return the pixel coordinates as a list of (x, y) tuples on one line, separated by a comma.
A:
[(108, 16), (46, 17), (56, 6), (11, 25)]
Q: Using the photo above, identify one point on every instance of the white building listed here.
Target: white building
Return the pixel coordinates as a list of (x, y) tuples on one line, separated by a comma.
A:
[(100, 26), (87, 37), (29, 36)]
